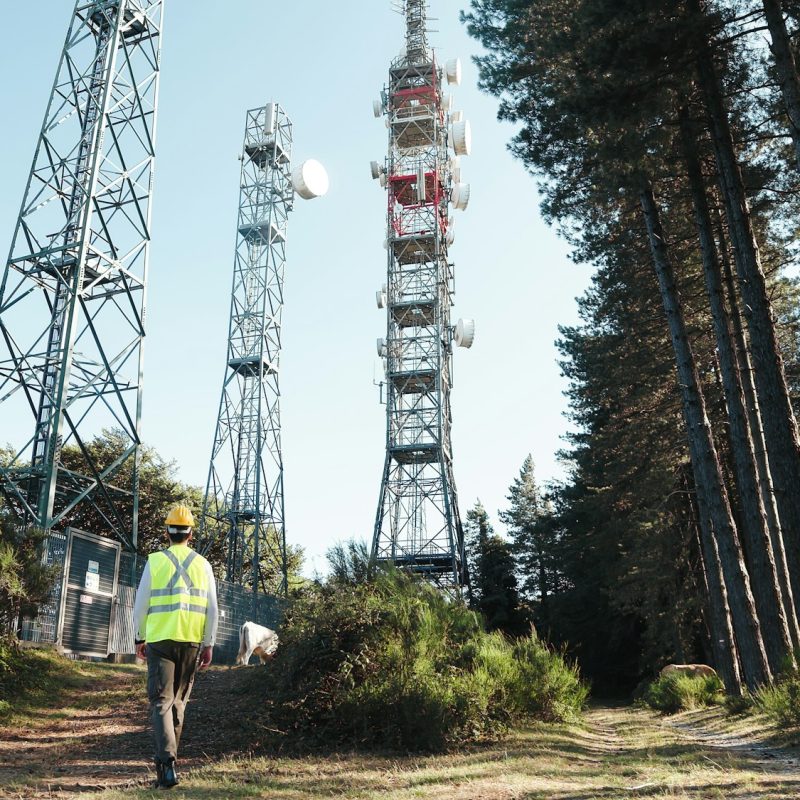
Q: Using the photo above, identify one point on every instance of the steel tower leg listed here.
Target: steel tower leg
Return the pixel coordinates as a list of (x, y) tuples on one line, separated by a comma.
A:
[(72, 298), (243, 512), (418, 524)]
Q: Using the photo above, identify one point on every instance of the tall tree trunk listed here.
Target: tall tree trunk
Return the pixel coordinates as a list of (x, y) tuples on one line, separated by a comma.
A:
[(705, 462), (780, 426), (786, 67), (757, 430), (716, 608), (755, 532)]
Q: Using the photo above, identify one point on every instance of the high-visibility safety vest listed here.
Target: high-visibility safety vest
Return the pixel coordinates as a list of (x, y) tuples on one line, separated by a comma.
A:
[(179, 587)]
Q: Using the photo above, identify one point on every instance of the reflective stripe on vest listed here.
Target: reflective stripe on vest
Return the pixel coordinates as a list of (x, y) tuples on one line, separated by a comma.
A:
[(179, 590)]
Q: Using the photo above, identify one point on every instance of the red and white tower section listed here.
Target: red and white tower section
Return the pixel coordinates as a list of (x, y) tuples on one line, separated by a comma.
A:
[(418, 525)]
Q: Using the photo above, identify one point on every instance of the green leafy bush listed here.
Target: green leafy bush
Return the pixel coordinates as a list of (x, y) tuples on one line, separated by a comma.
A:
[(394, 664), (24, 581), (675, 692)]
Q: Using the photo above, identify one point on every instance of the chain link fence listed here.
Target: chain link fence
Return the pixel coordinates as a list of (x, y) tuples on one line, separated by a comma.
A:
[(235, 608)]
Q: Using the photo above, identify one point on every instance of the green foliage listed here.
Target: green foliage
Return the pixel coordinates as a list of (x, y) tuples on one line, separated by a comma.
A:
[(739, 703), (394, 664), (349, 562), (159, 488), (493, 581), (594, 88), (781, 700), (675, 692), (24, 581)]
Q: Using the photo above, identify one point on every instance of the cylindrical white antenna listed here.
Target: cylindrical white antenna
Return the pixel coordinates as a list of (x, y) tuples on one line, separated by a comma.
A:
[(461, 133), (310, 180), (464, 335), (269, 119), (459, 197), (453, 70), (421, 190)]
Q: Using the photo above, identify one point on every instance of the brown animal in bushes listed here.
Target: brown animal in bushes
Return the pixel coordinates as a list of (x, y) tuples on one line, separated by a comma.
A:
[(692, 670)]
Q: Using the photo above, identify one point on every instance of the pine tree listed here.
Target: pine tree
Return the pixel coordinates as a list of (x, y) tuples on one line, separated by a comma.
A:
[(492, 574), (531, 534)]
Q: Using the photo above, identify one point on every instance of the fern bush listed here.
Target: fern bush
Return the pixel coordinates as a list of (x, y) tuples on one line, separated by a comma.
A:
[(392, 664)]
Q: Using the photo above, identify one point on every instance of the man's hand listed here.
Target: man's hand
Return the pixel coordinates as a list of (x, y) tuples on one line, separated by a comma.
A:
[(205, 657), (141, 651)]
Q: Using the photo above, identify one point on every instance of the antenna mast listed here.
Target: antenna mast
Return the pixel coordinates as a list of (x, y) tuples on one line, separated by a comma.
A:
[(418, 525), (243, 514), (416, 13)]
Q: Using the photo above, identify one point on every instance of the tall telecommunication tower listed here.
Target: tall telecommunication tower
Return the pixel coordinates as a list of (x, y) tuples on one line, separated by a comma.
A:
[(418, 524), (243, 511), (72, 298)]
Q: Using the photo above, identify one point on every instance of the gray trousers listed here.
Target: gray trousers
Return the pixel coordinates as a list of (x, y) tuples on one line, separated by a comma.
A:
[(170, 674)]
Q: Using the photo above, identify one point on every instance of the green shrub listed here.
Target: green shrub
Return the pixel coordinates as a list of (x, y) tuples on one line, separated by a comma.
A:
[(675, 692), (394, 664), (781, 700), (24, 581)]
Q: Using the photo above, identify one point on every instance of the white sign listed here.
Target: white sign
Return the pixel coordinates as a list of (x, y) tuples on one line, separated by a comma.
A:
[(87, 599), (94, 566), (92, 582)]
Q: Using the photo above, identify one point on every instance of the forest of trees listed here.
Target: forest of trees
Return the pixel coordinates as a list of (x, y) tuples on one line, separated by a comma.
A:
[(665, 138)]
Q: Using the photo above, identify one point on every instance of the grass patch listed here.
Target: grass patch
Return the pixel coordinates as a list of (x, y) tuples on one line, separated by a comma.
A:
[(614, 753), (674, 692), (39, 678), (29, 676)]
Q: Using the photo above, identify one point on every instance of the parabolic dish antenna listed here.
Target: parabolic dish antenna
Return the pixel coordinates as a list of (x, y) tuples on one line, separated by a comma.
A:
[(310, 180)]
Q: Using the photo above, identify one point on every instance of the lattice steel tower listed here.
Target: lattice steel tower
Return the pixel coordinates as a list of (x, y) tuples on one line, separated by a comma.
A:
[(72, 298), (243, 512), (418, 524)]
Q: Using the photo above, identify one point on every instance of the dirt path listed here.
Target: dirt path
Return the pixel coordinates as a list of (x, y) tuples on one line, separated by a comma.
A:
[(752, 742), (96, 744), (97, 737)]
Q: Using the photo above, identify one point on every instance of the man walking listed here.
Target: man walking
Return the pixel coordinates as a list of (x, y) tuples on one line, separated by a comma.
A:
[(175, 615)]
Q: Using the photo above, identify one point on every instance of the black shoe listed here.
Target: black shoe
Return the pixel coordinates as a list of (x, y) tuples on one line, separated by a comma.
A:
[(169, 777), (159, 774)]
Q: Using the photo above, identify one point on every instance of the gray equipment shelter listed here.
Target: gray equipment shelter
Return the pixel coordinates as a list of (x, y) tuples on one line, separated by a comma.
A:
[(88, 592)]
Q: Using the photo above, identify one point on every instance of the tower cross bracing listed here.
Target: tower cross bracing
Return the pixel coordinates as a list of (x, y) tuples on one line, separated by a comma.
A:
[(73, 292)]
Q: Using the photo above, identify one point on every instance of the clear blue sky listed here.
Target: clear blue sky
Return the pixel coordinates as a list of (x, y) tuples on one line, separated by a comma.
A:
[(325, 62)]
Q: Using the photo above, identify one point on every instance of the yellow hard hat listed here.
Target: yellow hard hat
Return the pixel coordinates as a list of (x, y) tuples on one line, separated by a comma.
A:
[(180, 517)]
